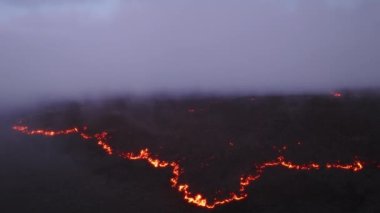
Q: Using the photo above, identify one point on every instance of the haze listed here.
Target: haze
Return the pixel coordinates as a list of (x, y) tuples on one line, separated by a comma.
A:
[(57, 48)]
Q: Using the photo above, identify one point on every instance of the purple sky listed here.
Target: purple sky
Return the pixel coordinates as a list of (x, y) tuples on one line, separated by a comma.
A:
[(56, 48)]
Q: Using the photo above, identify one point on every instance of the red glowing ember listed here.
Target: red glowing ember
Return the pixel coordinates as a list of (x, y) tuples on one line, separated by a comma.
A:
[(337, 94), (197, 199)]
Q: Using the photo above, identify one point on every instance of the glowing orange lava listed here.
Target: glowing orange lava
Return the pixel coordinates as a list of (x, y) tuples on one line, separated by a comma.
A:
[(176, 170)]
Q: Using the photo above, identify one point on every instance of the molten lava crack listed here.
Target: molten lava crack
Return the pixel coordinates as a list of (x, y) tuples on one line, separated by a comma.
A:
[(176, 170)]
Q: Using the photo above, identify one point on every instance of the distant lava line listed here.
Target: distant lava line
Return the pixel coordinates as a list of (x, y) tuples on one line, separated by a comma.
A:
[(197, 199)]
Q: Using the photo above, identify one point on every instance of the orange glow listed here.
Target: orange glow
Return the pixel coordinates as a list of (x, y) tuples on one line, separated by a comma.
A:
[(355, 166), (25, 130), (101, 138), (176, 170)]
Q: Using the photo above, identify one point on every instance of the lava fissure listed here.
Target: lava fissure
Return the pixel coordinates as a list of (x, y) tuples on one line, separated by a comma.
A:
[(176, 170)]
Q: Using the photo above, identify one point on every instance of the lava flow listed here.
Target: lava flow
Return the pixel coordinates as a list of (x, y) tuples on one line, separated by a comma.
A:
[(197, 199)]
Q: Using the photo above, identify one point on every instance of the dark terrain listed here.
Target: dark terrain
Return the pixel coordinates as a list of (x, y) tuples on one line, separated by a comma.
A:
[(216, 139)]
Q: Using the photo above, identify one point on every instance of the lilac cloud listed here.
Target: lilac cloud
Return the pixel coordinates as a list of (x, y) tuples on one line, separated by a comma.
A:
[(72, 48)]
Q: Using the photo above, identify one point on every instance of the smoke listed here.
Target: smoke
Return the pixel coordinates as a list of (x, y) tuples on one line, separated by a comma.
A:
[(60, 49)]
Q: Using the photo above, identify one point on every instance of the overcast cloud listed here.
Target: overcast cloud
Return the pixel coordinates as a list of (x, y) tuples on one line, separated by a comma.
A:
[(73, 48)]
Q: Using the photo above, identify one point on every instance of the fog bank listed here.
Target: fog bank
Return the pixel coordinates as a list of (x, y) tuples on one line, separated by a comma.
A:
[(54, 49)]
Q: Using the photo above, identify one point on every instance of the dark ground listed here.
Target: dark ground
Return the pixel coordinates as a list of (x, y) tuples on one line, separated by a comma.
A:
[(216, 139)]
